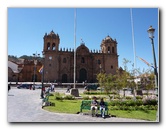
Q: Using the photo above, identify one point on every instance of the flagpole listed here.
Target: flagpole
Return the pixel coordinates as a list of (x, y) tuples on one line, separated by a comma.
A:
[(74, 48), (74, 91), (134, 51), (43, 88), (133, 40)]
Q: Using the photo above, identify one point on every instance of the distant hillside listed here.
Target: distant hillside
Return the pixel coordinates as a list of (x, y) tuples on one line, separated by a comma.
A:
[(26, 57), (12, 58), (16, 59)]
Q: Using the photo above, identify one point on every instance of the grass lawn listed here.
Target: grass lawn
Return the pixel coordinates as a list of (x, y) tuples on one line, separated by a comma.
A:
[(73, 106), (65, 106), (150, 115)]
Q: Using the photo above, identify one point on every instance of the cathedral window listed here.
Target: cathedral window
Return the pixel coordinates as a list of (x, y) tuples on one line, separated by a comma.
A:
[(64, 60), (108, 49), (111, 67), (113, 50), (82, 60), (53, 46), (98, 61), (48, 46)]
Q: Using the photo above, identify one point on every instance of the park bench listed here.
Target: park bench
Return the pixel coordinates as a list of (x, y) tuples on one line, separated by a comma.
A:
[(86, 105)]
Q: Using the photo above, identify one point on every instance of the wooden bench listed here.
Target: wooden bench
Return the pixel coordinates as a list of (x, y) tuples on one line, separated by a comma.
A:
[(86, 105)]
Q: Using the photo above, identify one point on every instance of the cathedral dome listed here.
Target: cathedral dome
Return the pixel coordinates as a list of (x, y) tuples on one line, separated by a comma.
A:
[(82, 49), (108, 37), (52, 33)]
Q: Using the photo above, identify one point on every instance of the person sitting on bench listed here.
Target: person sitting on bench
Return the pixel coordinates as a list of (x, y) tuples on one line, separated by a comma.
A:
[(94, 106), (102, 107)]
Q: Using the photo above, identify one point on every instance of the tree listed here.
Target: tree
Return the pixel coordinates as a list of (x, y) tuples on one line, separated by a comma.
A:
[(107, 82), (110, 84), (147, 80), (125, 63), (123, 79)]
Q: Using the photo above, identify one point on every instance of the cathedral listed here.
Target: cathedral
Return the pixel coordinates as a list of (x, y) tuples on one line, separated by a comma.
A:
[(59, 64)]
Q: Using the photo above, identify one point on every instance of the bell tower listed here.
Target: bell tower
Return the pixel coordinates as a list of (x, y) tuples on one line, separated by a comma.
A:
[(108, 45), (51, 42)]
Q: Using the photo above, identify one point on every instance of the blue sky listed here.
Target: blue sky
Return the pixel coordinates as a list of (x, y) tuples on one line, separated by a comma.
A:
[(27, 26)]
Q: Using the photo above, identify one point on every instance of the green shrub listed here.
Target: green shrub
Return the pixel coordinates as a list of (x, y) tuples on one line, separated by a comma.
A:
[(117, 97), (143, 108), (129, 97), (58, 96), (114, 103), (147, 93), (130, 108), (51, 94), (139, 102), (125, 107), (136, 107), (132, 105), (114, 107), (92, 92), (150, 102), (69, 97), (139, 97), (113, 92), (86, 98)]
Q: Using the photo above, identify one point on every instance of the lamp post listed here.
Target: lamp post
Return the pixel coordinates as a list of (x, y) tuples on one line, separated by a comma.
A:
[(42, 89), (35, 55), (151, 36)]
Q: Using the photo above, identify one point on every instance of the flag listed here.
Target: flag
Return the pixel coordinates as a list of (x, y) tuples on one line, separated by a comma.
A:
[(41, 69), (145, 62)]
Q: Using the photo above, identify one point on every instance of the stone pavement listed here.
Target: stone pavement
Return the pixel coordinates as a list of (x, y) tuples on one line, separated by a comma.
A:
[(24, 105)]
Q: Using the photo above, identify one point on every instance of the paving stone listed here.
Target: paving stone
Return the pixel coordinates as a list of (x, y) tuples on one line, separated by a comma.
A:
[(24, 105)]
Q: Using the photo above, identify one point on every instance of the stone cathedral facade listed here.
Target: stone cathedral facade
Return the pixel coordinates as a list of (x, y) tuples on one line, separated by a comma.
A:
[(59, 64)]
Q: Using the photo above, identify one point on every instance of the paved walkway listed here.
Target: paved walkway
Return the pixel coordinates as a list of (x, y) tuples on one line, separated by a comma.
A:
[(25, 106)]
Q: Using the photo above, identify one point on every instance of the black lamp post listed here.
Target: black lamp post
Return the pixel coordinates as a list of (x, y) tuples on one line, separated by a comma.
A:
[(151, 36), (35, 55), (42, 89)]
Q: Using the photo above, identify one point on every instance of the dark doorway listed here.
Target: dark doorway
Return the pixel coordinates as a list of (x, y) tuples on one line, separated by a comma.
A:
[(82, 75), (64, 78)]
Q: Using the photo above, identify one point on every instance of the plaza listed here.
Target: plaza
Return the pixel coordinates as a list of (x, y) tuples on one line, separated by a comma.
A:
[(24, 105)]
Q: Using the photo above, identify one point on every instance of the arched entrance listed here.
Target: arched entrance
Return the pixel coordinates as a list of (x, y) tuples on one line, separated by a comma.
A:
[(82, 75), (64, 78)]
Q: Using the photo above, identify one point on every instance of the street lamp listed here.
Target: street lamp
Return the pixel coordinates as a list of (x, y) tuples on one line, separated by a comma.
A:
[(151, 36), (35, 55), (42, 89)]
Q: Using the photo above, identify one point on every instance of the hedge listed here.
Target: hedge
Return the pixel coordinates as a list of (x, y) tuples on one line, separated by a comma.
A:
[(133, 105)]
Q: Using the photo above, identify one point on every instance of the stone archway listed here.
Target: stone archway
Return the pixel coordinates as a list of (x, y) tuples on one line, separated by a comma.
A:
[(82, 75)]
